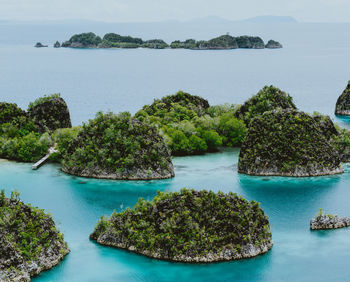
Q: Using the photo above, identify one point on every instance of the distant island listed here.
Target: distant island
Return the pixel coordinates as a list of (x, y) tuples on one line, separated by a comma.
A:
[(40, 45), (113, 40)]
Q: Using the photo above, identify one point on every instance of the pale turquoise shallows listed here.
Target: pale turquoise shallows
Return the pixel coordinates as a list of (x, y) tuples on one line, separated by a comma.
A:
[(298, 253)]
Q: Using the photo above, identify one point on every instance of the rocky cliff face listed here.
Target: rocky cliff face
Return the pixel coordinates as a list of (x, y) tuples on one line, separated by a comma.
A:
[(324, 221), (50, 113), (287, 143), (342, 106), (29, 241), (118, 147), (189, 226)]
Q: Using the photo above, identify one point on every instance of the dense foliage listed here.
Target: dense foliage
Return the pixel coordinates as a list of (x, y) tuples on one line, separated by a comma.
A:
[(49, 113), (113, 40), (88, 39), (221, 42), (190, 126), (342, 106), (118, 147), (25, 136), (267, 99), (27, 235), (287, 142), (186, 224)]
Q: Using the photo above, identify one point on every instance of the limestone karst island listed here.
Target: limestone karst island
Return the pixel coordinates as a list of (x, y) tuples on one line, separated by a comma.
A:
[(113, 40)]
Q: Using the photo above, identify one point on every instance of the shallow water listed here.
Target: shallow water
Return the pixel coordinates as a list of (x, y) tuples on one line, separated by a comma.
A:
[(298, 254), (313, 67)]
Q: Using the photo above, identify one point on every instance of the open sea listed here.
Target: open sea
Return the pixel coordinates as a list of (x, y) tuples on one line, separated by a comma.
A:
[(313, 67)]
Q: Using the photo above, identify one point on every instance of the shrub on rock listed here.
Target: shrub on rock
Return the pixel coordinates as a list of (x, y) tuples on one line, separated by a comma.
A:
[(118, 147), (29, 240), (287, 143), (189, 226), (50, 113)]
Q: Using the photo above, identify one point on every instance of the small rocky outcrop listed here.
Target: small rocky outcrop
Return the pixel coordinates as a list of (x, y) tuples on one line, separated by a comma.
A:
[(342, 106), (287, 143), (189, 226), (57, 45), (29, 240), (267, 99), (328, 221), (50, 113), (39, 45), (118, 147), (272, 44)]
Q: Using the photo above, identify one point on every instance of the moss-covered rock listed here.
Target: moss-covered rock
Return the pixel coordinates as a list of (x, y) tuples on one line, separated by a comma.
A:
[(342, 106), (287, 143), (50, 113), (118, 147), (189, 226), (29, 240), (267, 99)]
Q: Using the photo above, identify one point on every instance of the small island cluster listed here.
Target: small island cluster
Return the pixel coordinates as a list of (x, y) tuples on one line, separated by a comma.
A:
[(187, 226), (113, 40)]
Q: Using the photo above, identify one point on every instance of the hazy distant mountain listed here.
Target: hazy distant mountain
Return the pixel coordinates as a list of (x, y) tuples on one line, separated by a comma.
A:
[(271, 19)]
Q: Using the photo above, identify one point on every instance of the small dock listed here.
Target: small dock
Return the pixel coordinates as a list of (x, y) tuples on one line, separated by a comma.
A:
[(44, 159)]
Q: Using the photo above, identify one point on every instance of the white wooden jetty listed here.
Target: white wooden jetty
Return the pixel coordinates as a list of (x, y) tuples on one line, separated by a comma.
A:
[(44, 159)]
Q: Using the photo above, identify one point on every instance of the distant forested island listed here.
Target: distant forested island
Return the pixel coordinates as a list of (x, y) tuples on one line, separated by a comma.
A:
[(113, 40)]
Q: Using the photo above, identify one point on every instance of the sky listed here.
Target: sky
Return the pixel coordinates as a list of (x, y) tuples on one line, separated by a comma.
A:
[(159, 10)]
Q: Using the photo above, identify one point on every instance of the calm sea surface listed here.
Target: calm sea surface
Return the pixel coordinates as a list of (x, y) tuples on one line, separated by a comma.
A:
[(313, 67)]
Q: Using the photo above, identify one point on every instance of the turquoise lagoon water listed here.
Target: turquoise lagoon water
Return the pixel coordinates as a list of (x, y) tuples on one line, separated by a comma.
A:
[(298, 254), (313, 67)]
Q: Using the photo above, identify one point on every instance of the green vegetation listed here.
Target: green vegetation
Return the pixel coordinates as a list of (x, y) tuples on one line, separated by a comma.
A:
[(221, 42), (188, 226), (287, 142), (50, 113), (27, 235), (190, 126), (342, 106), (155, 44), (25, 136), (113, 40), (118, 147), (88, 39), (267, 99)]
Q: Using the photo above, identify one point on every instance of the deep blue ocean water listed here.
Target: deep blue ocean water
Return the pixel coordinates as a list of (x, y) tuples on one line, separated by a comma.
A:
[(313, 68)]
